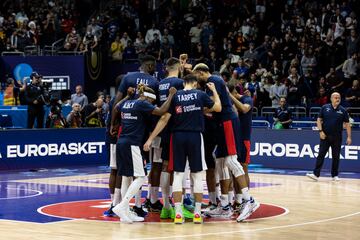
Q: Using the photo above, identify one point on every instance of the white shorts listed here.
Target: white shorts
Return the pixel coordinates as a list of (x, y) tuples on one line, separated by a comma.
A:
[(113, 156), (156, 150)]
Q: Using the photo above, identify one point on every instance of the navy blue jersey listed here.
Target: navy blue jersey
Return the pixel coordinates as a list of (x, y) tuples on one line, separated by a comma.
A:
[(333, 119), (109, 138), (133, 79), (227, 112), (283, 115), (166, 84), (246, 119), (187, 110), (133, 116)]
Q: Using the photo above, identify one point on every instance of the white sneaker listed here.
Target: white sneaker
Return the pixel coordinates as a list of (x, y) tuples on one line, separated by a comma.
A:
[(222, 212), (249, 208), (122, 213), (134, 217), (312, 176), (336, 179)]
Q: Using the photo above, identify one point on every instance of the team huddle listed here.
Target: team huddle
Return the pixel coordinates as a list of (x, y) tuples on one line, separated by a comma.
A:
[(187, 127)]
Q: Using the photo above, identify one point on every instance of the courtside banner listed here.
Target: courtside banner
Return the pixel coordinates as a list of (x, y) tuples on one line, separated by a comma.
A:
[(298, 149), (45, 148)]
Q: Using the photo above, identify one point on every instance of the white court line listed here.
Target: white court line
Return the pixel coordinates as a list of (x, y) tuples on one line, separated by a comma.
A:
[(19, 197), (251, 230)]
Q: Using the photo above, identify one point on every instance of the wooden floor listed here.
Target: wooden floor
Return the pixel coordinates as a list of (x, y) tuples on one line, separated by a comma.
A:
[(317, 210)]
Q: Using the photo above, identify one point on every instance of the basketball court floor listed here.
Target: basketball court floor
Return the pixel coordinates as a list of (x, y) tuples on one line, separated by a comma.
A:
[(68, 204)]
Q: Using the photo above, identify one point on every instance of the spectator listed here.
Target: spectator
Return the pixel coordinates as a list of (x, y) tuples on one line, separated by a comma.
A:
[(321, 98), (251, 54), (253, 86), (352, 43), (74, 117), (79, 97), (154, 46), (243, 69), (166, 50), (308, 62), (282, 116), (130, 52), (226, 67), (150, 34), (124, 40), (350, 68), (336, 83), (194, 34), (277, 90), (117, 49), (93, 114), (72, 40), (353, 94), (169, 37), (90, 41), (55, 119)]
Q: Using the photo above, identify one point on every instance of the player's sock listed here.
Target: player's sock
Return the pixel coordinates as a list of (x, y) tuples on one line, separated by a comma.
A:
[(231, 196), (117, 197), (212, 197), (138, 199), (245, 193), (224, 198), (154, 194)]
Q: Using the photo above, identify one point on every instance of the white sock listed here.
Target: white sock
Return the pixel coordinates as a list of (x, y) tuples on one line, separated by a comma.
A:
[(125, 183), (117, 197), (239, 198), (154, 194), (165, 189), (224, 198), (112, 197), (217, 191), (212, 197), (170, 191), (138, 199), (148, 192), (178, 208), (197, 207), (132, 190), (245, 193), (231, 196)]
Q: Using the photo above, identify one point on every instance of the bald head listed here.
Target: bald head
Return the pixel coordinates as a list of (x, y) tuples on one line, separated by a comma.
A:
[(99, 102), (335, 99)]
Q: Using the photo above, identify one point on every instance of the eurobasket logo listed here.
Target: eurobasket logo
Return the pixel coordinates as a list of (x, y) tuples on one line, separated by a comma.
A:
[(53, 149), (293, 150)]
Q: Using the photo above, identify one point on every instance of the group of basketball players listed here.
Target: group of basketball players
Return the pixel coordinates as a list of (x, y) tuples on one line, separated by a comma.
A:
[(190, 122)]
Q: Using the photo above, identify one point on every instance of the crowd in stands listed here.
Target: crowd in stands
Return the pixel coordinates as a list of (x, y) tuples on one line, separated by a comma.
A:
[(297, 49)]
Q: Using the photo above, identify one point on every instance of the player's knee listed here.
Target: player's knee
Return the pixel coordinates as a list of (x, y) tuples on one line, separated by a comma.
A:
[(197, 181), (234, 166), (177, 184)]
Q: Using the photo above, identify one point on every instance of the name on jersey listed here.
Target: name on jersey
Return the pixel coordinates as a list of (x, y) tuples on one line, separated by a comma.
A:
[(129, 105), (142, 81), (128, 116), (164, 86), (187, 97)]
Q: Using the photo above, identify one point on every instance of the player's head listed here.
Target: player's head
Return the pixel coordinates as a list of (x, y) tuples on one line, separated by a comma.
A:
[(146, 93), (173, 65), (202, 72), (148, 64), (282, 102), (191, 81)]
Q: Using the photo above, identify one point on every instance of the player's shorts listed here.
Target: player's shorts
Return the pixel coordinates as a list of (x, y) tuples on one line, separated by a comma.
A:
[(245, 151), (210, 144), (113, 156), (129, 159), (187, 146), (165, 146), (229, 138)]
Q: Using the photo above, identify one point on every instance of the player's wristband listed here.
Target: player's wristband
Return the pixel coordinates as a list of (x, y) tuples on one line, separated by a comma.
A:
[(321, 131)]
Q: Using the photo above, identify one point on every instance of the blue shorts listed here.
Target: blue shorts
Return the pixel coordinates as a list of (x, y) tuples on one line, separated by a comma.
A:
[(129, 160), (229, 142), (187, 146)]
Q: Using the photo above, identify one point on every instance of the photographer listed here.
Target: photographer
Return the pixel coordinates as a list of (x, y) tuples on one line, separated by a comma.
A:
[(93, 114), (34, 97), (74, 117), (55, 118), (90, 41)]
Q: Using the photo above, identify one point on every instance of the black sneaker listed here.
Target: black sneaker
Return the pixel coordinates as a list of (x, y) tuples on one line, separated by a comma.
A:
[(146, 204), (139, 211), (156, 207), (109, 212)]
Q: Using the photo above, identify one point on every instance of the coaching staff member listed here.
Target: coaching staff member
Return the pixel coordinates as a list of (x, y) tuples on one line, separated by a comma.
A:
[(330, 124), (34, 96)]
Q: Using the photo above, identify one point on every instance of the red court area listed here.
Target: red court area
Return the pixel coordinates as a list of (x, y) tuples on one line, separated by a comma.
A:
[(93, 210)]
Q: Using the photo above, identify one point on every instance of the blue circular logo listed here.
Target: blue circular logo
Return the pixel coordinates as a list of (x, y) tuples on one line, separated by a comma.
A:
[(21, 71)]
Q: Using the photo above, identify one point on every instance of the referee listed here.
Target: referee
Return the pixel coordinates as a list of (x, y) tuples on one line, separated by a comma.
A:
[(330, 124)]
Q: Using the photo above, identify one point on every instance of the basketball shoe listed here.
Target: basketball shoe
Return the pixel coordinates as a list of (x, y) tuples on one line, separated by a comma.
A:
[(250, 207)]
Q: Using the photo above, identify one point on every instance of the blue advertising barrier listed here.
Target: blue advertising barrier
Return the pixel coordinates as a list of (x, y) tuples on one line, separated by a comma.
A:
[(297, 149), (286, 149), (29, 149)]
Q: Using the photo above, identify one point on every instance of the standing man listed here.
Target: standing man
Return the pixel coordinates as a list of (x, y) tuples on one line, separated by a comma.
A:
[(79, 97), (34, 96), (330, 122), (282, 116)]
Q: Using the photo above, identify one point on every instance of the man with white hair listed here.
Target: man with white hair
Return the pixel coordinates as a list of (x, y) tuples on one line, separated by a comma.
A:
[(330, 122)]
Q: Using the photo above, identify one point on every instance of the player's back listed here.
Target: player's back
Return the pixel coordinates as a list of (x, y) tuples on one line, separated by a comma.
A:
[(165, 84), (133, 79)]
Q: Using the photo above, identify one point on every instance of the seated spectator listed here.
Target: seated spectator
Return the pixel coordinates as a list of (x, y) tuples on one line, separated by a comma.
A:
[(282, 116), (90, 41), (150, 34), (73, 119), (253, 86), (130, 52), (251, 54), (117, 49), (153, 47), (72, 40), (79, 97), (11, 94), (125, 39), (277, 91), (336, 83), (140, 46), (321, 98), (350, 68), (169, 37), (93, 114), (226, 67), (55, 119), (243, 69), (166, 50), (353, 94)]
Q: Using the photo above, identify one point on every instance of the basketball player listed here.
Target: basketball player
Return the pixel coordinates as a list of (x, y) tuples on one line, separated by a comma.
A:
[(186, 142), (228, 148), (244, 105), (130, 161)]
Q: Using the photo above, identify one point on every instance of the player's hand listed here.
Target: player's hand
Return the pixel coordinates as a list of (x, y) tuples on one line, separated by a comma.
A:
[(147, 145), (172, 91), (322, 135), (348, 141), (211, 86), (130, 91), (35, 102), (113, 130)]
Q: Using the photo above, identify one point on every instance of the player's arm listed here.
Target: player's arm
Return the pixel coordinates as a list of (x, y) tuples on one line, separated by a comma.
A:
[(163, 121), (242, 107), (166, 105), (217, 103), (116, 110), (319, 123), (348, 132)]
